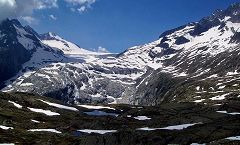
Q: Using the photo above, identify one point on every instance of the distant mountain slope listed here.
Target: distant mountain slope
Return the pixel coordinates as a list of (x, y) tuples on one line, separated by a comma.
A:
[(202, 55)]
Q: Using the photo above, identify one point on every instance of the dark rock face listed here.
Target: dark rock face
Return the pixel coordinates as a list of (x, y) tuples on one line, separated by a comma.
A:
[(163, 43), (181, 40), (172, 31), (31, 31), (236, 38), (204, 25), (12, 53)]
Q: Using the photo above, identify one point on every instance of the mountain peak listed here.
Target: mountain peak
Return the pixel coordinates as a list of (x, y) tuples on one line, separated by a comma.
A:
[(232, 11), (50, 36), (10, 22), (235, 6), (218, 17)]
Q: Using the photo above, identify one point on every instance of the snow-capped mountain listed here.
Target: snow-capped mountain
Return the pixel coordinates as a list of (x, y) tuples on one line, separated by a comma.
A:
[(204, 67), (195, 62), (21, 50), (67, 47)]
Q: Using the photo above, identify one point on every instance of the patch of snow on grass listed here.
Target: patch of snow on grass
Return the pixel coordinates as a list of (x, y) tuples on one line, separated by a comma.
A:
[(199, 101), (233, 113), (221, 87), (60, 106), (142, 118), (175, 127), (5, 127), (45, 130), (97, 131), (16, 104), (35, 121), (198, 88), (96, 107), (46, 112), (179, 127), (213, 76), (233, 138), (232, 73), (220, 97)]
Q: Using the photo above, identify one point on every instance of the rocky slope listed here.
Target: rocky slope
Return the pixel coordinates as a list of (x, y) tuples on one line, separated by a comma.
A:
[(205, 66), (19, 50), (197, 62), (17, 46), (28, 119)]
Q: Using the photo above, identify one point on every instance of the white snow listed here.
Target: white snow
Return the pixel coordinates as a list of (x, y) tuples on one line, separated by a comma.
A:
[(45, 130), (221, 87), (142, 118), (60, 106), (217, 104), (16, 104), (179, 127), (233, 138), (96, 107), (72, 50), (220, 97), (35, 121), (5, 127), (97, 131), (183, 74), (112, 98), (66, 46), (26, 84), (232, 73), (213, 76), (46, 112), (233, 113), (199, 101), (148, 129), (175, 127), (198, 88)]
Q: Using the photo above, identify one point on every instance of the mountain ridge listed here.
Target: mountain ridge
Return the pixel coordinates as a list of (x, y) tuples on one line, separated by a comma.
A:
[(194, 51)]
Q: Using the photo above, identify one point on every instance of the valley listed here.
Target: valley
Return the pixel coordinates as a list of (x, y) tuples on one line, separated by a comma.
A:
[(182, 88)]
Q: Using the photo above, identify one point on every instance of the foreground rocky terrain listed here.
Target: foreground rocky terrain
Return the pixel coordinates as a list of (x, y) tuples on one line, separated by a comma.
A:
[(29, 119)]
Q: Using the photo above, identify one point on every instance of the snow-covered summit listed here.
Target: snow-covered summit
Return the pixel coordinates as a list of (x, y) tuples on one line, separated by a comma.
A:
[(69, 48)]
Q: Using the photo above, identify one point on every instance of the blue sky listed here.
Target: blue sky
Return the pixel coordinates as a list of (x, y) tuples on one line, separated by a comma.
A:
[(120, 24)]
